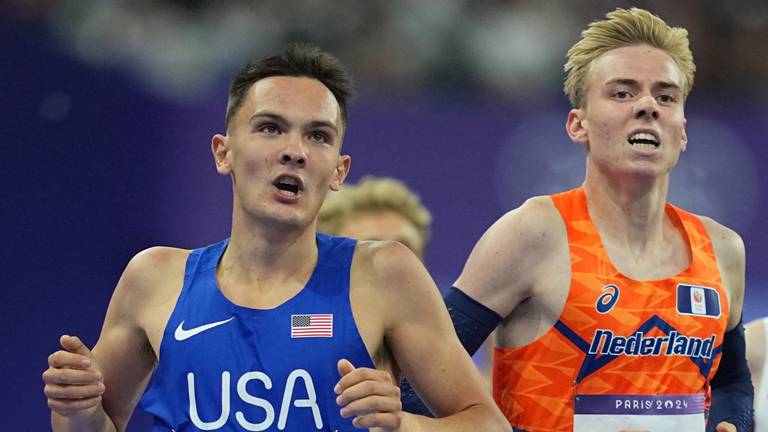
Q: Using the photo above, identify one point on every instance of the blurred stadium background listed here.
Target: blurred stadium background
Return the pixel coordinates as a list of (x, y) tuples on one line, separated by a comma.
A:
[(108, 108)]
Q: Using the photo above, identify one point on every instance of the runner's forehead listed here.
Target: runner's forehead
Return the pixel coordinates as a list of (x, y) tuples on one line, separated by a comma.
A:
[(297, 99)]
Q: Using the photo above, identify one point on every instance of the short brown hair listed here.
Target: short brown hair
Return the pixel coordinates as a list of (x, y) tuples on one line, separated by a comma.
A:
[(297, 60)]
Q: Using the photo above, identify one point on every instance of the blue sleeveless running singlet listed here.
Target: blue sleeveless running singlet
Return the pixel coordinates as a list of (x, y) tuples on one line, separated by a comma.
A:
[(225, 367)]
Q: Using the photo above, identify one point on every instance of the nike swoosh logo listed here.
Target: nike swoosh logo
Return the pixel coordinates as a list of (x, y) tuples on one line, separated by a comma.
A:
[(182, 334)]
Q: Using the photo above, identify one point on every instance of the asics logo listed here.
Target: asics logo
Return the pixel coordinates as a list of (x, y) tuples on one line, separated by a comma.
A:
[(183, 334), (608, 299)]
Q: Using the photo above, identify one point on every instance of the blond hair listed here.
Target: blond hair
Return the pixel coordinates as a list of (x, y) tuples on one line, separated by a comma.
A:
[(625, 28), (373, 194)]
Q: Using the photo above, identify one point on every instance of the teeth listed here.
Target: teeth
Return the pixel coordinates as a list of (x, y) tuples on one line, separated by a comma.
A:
[(288, 186), (643, 138), (644, 146)]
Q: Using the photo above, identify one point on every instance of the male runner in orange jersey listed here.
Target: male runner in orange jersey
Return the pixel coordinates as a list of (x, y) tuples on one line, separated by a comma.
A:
[(614, 308)]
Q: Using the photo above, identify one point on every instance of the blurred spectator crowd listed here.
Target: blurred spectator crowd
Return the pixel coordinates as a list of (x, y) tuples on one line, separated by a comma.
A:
[(510, 48)]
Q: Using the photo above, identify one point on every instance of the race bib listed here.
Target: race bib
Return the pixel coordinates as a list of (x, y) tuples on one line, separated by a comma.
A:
[(639, 413)]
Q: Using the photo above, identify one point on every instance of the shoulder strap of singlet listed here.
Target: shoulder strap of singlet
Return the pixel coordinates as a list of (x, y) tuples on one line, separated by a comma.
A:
[(199, 260), (210, 256), (571, 204), (335, 251), (695, 229)]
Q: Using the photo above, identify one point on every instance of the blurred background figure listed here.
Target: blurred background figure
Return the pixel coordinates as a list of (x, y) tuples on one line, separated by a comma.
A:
[(384, 208), (757, 357), (377, 208)]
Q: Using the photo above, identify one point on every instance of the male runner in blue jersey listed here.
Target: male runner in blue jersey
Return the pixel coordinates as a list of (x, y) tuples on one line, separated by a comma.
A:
[(278, 327)]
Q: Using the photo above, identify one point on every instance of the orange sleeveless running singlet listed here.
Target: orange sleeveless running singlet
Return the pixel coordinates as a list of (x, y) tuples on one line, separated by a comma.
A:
[(616, 335)]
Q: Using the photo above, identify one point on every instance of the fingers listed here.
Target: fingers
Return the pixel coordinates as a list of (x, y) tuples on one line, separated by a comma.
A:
[(74, 355), (73, 381), (368, 395), (368, 388), (374, 411), (67, 407), (725, 427), (74, 392), (64, 359), (63, 376), (388, 421), (70, 390), (351, 376), (73, 344), (344, 367)]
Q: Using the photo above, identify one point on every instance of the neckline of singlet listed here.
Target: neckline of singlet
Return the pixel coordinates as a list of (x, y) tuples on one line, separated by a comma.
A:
[(668, 209), (217, 251)]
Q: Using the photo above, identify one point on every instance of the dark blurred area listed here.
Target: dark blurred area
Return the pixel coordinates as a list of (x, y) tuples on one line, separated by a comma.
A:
[(108, 108), (514, 49)]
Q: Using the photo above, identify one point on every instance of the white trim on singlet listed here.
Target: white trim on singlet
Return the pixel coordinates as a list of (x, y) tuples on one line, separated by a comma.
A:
[(761, 399)]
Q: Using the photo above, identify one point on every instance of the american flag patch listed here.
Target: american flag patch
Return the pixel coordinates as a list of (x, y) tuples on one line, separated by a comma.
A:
[(311, 325)]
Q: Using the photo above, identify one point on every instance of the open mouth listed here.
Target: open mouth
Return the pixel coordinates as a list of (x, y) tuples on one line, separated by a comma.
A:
[(289, 186), (643, 141)]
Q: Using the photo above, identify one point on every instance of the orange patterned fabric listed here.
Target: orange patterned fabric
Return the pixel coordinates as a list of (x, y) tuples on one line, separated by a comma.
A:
[(616, 335)]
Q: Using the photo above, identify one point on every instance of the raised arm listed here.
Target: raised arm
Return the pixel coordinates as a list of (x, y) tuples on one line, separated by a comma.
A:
[(98, 390)]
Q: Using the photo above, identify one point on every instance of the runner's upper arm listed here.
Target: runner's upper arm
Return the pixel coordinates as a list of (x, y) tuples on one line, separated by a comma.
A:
[(123, 350), (419, 332), (729, 249), (502, 269)]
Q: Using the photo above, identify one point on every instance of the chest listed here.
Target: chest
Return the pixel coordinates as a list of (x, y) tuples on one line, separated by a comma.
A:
[(232, 368), (581, 283), (665, 260)]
